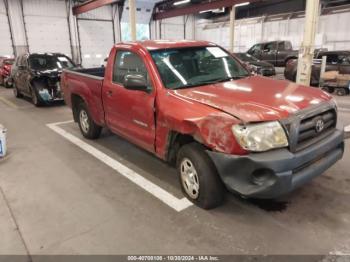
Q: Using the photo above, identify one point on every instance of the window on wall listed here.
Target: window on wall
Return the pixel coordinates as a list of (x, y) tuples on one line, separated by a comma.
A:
[(142, 32)]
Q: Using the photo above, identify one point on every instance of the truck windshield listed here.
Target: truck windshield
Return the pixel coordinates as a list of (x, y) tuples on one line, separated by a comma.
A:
[(48, 62), (195, 66)]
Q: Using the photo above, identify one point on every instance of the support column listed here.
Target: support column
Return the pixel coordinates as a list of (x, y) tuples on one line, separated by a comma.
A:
[(116, 24), (232, 28), (306, 52), (16, 21), (73, 33), (132, 19)]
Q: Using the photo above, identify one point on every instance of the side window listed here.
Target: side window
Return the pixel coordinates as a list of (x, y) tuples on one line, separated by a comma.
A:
[(345, 60), (332, 59), (270, 46), (255, 49), (288, 45), (281, 46), (128, 63)]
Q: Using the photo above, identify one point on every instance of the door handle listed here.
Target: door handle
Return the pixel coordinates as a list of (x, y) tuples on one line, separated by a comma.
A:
[(109, 93)]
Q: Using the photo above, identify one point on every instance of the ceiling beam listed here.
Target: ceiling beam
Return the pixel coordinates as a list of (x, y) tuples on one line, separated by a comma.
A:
[(91, 5), (196, 8)]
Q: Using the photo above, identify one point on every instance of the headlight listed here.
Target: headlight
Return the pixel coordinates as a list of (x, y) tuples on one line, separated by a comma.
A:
[(260, 137)]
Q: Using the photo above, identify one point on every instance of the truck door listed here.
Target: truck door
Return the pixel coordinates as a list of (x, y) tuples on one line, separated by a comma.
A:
[(130, 113), (269, 53)]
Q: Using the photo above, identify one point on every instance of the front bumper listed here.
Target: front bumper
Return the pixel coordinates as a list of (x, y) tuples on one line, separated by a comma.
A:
[(278, 172)]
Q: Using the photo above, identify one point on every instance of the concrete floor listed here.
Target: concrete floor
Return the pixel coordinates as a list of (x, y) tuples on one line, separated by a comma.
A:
[(57, 199)]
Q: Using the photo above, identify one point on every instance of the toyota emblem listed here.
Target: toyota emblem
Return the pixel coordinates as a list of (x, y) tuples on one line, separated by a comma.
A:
[(319, 125)]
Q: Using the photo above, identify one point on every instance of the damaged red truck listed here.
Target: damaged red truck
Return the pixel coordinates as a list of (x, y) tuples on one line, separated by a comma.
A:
[(193, 104)]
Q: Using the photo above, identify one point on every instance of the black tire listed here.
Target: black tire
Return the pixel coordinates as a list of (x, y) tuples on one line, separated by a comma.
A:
[(211, 191), (328, 89), (35, 98), (88, 127), (341, 91), (16, 92), (6, 84)]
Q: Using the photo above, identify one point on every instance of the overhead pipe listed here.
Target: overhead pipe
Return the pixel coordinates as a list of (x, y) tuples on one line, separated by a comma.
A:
[(91, 5)]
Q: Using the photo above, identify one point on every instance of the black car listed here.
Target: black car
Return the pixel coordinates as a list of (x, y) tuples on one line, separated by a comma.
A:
[(255, 65), (38, 76)]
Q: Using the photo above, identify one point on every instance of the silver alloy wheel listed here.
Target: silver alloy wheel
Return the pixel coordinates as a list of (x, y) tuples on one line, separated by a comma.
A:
[(84, 121), (189, 178)]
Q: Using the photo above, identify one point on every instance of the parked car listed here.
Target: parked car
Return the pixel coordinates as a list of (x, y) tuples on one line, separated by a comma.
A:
[(38, 76), (193, 104), (336, 61), (5, 70), (277, 53), (255, 65)]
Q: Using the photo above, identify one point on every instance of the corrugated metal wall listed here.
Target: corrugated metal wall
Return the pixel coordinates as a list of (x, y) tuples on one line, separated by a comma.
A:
[(47, 26), (6, 48), (332, 34), (96, 35)]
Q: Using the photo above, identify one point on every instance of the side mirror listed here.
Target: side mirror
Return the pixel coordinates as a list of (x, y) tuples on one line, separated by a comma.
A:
[(136, 82)]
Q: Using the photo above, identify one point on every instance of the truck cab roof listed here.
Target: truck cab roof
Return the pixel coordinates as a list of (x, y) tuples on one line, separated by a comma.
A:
[(166, 44)]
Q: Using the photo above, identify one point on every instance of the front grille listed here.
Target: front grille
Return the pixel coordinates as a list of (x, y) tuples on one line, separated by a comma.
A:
[(302, 128), (307, 128)]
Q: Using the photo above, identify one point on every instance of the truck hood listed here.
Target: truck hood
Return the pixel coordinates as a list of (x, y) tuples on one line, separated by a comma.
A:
[(255, 98)]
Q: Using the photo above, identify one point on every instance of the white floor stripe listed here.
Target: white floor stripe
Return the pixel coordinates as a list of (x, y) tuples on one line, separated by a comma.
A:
[(158, 192)]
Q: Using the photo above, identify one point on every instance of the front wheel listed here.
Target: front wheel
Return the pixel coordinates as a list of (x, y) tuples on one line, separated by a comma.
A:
[(87, 126), (199, 178), (16, 92), (35, 98)]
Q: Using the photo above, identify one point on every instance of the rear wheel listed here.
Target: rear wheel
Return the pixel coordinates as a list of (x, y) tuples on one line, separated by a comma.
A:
[(198, 177), (87, 126), (341, 91)]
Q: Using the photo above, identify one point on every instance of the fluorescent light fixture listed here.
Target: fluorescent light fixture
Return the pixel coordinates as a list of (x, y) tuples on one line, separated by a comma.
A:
[(182, 2), (242, 4)]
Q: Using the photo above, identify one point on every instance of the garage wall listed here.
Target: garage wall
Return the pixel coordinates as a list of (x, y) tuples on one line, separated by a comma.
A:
[(6, 48), (96, 35), (46, 26), (332, 33), (175, 28)]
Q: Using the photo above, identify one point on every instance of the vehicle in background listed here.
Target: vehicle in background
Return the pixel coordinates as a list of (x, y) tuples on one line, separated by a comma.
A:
[(38, 76), (255, 65), (277, 53), (5, 71), (193, 104), (336, 61)]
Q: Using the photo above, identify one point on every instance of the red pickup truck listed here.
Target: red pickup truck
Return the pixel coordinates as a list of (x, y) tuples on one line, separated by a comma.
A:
[(193, 104)]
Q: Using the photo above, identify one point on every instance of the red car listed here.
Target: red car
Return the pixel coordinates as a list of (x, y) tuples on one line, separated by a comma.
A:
[(5, 71), (194, 105)]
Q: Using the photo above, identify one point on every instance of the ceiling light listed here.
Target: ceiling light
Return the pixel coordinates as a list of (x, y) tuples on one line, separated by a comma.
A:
[(242, 4), (182, 2)]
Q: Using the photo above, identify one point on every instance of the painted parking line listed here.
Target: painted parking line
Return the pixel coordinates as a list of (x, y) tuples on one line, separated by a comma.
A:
[(8, 102), (158, 192)]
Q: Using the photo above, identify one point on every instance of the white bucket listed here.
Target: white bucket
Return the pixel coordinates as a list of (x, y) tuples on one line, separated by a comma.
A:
[(2, 141)]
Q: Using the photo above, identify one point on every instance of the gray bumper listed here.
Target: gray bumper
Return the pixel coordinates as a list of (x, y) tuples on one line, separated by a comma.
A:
[(278, 172)]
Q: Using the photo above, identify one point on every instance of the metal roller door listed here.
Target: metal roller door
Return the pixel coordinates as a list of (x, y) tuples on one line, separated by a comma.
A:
[(47, 26), (6, 48), (96, 41)]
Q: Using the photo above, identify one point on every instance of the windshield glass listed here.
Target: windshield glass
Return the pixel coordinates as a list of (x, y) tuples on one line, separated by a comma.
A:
[(188, 67), (246, 57), (48, 62)]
